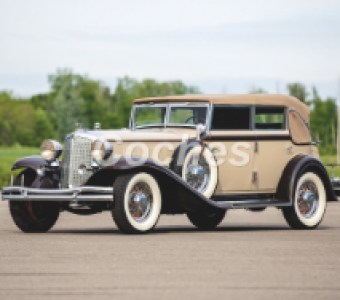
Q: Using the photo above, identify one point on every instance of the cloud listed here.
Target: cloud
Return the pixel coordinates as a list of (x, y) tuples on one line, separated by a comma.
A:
[(189, 40)]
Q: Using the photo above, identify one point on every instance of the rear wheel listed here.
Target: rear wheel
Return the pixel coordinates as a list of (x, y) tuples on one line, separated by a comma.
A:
[(309, 203), (137, 203), (206, 220), (33, 216)]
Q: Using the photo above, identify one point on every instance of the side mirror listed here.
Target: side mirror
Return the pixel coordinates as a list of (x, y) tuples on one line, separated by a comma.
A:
[(200, 128)]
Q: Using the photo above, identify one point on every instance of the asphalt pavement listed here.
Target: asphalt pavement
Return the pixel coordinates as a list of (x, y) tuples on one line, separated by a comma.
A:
[(249, 256)]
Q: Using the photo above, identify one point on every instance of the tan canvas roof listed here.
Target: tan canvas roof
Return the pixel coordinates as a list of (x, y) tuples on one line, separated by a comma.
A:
[(299, 132), (250, 99)]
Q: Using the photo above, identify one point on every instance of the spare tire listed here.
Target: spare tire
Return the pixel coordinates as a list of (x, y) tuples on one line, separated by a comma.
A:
[(198, 169)]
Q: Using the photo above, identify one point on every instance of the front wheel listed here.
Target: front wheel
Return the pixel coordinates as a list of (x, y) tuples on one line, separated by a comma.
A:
[(206, 220), (309, 203), (137, 202), (34, 216)]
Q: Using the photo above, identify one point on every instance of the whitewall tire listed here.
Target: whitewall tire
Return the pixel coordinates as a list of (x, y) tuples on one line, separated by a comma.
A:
[(137, 202), (309, 203), (200, 170)]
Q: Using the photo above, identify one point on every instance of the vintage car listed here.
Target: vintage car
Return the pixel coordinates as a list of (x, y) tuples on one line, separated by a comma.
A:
[(198, 155)]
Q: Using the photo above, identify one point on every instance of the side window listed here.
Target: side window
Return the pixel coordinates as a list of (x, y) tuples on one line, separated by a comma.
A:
[(269, 118), (231, 118), (187, 115)]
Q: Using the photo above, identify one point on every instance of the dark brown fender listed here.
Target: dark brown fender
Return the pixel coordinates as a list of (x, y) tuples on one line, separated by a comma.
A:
[(296, 167), (176, 192), (32, 163)]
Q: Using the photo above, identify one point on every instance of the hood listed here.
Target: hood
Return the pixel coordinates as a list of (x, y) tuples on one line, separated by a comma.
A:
[(146, 135)]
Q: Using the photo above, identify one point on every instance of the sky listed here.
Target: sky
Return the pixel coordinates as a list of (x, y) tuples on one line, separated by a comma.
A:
[(221, 46)]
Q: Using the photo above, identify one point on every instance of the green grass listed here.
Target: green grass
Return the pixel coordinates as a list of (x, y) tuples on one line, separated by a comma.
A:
[(9, 155), (330, 159)]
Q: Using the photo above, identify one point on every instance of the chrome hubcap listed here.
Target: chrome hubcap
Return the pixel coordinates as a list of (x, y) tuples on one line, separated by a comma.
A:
[(308, 199), (140, 201), (198, 173)]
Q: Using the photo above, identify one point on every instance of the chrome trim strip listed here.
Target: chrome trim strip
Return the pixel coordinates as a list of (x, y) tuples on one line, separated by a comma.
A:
[(252, 203), (260, 204), (209, 120), (90, 136), (79, 193), (317, 142)]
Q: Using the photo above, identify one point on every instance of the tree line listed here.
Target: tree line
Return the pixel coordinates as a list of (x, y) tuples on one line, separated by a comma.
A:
[(76, 98)]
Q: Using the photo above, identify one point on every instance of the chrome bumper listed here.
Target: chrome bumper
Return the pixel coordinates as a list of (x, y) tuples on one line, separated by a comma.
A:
[(85, 193)]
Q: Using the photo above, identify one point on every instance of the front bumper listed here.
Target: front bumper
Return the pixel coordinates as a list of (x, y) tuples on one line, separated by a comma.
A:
[(84, 193)]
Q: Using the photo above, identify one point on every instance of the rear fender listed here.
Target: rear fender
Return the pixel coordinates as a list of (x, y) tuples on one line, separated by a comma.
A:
[(294, 169)]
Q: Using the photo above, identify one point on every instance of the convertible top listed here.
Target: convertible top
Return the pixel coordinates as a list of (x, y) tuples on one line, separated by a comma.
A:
[(250, 99), (300, 133)]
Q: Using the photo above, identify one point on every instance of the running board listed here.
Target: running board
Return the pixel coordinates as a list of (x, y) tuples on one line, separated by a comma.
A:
[(252, 203)]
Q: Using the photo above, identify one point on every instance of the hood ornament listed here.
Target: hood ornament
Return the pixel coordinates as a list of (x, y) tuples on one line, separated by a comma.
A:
[(78, 126)]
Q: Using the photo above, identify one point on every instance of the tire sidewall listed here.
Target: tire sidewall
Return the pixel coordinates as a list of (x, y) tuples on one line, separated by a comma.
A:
[(322, 203), (210, 159), (27, 222), (206, 220), (154, 214)]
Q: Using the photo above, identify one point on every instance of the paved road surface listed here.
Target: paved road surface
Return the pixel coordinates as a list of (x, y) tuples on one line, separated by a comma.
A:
[(250, 256)]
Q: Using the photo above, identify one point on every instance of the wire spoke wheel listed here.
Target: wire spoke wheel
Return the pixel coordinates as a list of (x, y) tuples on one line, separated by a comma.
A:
[(140, 201), (33, 216), (37, 210), (198, 173), (309, 203), (308, 199)]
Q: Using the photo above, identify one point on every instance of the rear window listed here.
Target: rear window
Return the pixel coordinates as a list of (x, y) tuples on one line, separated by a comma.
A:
[(270, 118), (231, 118)]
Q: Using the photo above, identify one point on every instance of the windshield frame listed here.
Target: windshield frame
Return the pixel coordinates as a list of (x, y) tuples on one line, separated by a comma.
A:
[(168, 107), (133, 114)]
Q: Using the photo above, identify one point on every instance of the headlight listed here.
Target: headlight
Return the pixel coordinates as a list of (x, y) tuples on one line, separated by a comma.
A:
[(50, 150), (101, 150)]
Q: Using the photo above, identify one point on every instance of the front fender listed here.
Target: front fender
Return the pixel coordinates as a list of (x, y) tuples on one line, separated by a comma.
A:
[(31, 162), (294, 169), (174, 189)]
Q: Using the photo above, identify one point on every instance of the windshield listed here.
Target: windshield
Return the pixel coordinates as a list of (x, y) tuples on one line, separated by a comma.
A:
[(146, 116), (178, 115)]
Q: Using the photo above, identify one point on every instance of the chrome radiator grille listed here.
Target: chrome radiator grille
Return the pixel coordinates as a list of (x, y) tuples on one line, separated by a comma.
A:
[(77, 151)]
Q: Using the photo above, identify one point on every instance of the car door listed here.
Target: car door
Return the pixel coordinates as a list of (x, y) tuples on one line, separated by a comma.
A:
[(232, 140), (273, 147)]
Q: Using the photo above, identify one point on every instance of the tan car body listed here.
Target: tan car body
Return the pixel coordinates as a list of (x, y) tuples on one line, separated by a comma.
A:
[(267, 159)]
